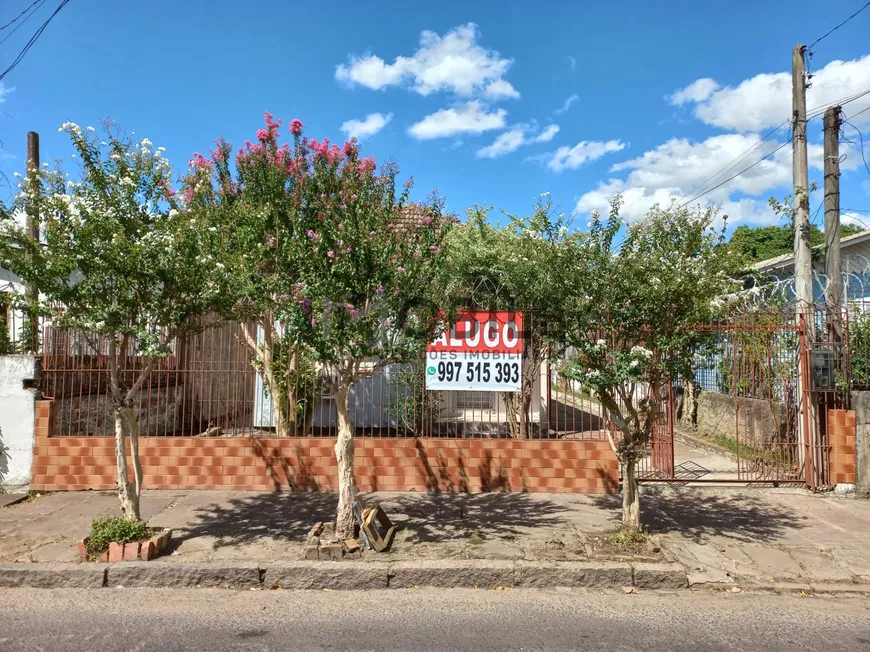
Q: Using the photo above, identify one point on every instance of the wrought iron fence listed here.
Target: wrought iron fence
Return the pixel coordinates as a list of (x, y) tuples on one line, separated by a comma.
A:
[(208, 387)]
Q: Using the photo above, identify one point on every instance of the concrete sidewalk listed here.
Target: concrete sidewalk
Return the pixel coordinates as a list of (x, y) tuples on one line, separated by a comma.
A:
[(719, 536)]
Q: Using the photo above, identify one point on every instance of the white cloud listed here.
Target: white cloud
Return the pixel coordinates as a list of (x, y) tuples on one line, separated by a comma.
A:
[(471, 117), (506, 143), (697, 91), (679, 167), (4, 91), (567, 104), (453, 62), (857, 219), (547, 134), (764, 101), (371, 125), (516, 137), (501, 89), (673, 169), (583, 152), (572, 61)]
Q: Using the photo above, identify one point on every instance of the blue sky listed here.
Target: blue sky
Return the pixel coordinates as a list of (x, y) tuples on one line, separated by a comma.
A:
[(466, 96)]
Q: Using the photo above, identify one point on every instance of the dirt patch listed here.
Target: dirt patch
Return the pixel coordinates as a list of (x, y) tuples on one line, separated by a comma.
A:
[(622, 545)]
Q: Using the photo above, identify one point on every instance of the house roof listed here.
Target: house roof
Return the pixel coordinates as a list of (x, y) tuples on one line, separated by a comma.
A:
[(787, 259)]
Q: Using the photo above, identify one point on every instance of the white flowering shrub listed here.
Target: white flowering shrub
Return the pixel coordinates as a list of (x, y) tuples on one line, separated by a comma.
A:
[(636, 312), (116, 258)]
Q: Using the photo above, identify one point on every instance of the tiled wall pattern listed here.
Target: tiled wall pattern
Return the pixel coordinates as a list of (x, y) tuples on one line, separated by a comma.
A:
[(385, 464), (841, 439)]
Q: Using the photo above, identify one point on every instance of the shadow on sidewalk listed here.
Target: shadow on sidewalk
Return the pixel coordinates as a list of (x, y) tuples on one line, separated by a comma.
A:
[(283, 516), (425, 517), (698, 514), (440, 517)]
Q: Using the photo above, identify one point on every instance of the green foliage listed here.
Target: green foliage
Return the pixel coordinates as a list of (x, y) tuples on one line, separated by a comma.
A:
[(114, 529), (636, 308), (6, 346), (316, 238), (116, 252), (859, 350), (520, 266), (413, 405), (758, 243)]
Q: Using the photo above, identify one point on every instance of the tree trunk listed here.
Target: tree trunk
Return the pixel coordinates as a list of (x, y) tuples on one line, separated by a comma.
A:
[(344, 521), (630, 494), (279, 408), (128, 492)]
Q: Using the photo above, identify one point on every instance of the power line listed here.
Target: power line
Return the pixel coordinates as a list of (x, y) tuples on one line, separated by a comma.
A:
[(824, 36), (737, 160), (32, 41), (36, 2), (731, 178), (811, 115), (861, 136)]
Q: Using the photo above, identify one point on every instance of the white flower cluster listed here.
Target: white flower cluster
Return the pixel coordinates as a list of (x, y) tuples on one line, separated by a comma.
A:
[(641, 352)]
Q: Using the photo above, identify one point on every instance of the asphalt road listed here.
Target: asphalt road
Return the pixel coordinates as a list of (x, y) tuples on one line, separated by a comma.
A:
[(216, 620)]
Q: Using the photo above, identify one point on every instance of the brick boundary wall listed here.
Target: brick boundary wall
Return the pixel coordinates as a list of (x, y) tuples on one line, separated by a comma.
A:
[(842, 430), (308, 464)]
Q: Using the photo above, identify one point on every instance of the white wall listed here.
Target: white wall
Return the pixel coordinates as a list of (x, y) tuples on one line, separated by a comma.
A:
[(16, 418)]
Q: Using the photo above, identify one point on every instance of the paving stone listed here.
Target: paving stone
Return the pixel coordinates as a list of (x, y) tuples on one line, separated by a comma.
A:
[(547, 574), (819, 566), (63, 551), (326, 575), (53, 576), (773, 562)]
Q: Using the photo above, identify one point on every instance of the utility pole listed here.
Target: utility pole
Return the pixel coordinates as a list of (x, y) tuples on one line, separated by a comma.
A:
[(803, 272), (32, 225), (833, 267)]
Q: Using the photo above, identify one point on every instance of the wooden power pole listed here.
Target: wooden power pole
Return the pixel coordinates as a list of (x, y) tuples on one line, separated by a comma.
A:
[(32, 226), (833, 265)]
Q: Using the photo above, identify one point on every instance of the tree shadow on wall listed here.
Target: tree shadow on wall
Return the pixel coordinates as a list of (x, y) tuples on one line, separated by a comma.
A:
[(282, 471), (699, 513)]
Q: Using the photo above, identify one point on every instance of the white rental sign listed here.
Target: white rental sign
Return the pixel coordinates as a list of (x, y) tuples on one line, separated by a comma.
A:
[(482, 351)]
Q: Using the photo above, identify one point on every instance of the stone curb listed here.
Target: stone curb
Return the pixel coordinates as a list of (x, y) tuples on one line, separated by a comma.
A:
[(157, 574), (446, 573), (53, 576), (336, 576), (797, 587)]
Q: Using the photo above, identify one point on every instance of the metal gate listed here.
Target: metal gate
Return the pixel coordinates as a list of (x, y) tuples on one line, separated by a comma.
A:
[(756, 411)]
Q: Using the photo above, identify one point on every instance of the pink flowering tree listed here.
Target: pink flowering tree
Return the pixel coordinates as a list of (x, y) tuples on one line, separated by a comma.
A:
[(334, 253), (252, 210)]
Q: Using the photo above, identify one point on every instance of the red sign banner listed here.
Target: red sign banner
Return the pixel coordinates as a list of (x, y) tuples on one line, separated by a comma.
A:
[(482, 331)]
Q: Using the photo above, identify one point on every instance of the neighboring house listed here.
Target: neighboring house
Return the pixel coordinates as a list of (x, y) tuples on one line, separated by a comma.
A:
[(10, 319), (855, 256)]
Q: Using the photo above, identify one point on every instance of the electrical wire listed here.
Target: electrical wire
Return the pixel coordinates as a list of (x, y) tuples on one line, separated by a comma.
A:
[(36, 2), (22, 23), (32, 41), (861, 137), (810, 115), (731, 178), (740, 158), (826, 35)]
